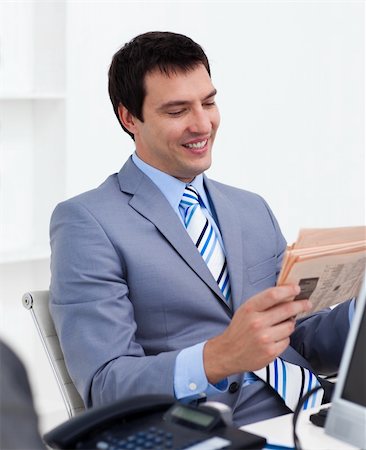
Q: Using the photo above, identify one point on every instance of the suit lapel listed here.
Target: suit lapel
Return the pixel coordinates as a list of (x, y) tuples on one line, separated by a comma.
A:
[(148, 201), (231, 232)]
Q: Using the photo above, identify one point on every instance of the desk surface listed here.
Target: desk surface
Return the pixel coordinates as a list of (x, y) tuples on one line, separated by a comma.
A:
[(279, 431)]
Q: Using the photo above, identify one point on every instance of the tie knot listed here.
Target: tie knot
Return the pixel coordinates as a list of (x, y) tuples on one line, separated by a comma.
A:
[(190, 197)]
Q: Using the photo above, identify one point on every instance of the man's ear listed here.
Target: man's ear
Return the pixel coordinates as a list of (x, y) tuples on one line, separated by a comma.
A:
[(127, 119)]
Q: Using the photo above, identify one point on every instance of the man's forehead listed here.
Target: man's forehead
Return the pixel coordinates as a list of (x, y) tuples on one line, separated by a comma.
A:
[(178, 85)]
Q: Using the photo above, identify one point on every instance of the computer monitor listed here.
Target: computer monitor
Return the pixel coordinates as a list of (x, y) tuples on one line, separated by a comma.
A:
[(346, 419)]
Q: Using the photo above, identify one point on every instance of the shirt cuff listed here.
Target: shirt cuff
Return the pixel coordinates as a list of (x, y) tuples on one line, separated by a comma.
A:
[(190, 379)]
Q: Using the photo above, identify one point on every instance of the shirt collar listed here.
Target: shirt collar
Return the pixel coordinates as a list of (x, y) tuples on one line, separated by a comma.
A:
[(171, 187)]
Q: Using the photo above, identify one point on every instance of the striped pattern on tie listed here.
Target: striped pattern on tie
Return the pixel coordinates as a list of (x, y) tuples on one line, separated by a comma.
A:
[(205, 239), (291, 382)]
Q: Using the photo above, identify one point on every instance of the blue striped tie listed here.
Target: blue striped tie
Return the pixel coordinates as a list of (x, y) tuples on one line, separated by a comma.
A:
[(205, 239), (291, 382)]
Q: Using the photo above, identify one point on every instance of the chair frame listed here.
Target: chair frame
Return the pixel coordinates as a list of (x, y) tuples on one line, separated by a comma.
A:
[(71, 398)]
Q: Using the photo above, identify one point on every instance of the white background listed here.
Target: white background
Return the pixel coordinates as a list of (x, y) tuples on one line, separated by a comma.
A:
[(290, 77), (290, 80)]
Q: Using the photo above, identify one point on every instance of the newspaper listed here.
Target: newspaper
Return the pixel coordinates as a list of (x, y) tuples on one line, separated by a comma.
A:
[(328, 265)]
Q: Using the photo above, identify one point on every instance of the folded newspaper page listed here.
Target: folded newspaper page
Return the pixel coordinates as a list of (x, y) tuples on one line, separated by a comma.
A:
[(327, 263)]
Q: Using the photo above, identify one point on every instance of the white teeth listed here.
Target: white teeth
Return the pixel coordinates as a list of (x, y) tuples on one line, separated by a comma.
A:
[(196, 144)]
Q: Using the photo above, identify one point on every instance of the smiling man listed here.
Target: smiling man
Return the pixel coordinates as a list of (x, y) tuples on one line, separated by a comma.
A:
[(163, 281), (180, 120)]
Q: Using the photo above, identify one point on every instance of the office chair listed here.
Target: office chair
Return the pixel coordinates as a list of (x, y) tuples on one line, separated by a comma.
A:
[(37, 303)]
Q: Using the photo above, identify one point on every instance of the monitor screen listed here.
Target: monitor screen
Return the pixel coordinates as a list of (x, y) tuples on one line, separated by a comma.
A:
[(354, 389), (346, 419)]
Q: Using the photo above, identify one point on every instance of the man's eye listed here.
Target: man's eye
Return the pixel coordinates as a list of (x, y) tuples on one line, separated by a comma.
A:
[(213, 103), (175, 113)]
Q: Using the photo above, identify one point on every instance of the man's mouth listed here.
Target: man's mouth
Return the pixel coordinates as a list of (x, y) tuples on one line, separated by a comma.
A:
[(196, 145)]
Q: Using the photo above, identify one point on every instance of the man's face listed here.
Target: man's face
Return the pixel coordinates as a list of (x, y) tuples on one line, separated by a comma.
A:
[(180, 123)]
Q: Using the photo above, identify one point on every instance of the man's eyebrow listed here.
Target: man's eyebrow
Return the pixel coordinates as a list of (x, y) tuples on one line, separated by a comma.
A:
[(185, 102)]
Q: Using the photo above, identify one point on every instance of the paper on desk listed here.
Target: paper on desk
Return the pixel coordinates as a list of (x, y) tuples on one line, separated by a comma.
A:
[(279, 432)]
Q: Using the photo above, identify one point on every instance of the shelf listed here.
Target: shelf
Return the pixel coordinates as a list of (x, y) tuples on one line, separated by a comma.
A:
[(35, 253), (31, 96), (32, 125)]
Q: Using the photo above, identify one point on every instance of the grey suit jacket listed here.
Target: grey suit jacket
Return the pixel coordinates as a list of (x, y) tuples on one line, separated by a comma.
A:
[(129, 289)]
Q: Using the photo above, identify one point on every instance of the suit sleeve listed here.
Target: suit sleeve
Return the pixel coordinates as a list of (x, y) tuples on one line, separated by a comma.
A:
[(93, 315), (321, 338)]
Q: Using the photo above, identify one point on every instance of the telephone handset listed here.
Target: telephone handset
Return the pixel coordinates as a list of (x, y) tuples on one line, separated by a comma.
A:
[(151, 422)]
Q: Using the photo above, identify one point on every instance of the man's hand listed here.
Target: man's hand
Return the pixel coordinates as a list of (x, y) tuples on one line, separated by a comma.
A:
[(259, 331)]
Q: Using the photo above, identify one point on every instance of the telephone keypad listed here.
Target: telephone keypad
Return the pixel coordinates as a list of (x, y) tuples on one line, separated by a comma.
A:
[(153, 438)]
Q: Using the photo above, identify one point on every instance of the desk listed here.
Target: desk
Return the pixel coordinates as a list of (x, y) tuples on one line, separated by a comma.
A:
[(279, 431)]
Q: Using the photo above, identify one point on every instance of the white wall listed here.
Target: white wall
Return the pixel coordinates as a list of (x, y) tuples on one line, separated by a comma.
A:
[(290, 77)]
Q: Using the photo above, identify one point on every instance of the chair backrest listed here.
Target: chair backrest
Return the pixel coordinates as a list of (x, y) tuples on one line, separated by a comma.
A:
[(37, 303)]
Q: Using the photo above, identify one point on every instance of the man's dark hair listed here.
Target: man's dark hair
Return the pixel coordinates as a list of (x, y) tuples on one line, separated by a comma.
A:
[(165, 51)]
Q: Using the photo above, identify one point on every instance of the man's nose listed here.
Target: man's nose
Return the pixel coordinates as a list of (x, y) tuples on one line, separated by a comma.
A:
[(200, 122)]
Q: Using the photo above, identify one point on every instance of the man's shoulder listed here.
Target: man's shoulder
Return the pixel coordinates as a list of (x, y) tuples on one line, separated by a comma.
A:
[(105, 190), (234, 192), (98, 202), (107, 193)]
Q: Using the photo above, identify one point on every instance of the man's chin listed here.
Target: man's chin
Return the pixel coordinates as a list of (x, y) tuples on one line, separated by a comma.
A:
[(191, 175)]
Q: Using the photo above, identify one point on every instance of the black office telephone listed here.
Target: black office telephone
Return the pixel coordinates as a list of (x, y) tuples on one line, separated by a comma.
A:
[(151, 422)]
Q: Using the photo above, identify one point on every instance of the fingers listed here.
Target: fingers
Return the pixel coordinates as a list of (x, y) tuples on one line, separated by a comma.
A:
[(271, 345), (277, 348), (259, 331), (279, 302), (273, 296), (286, 311), (279, 332), (269, 338), (274, 306)]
